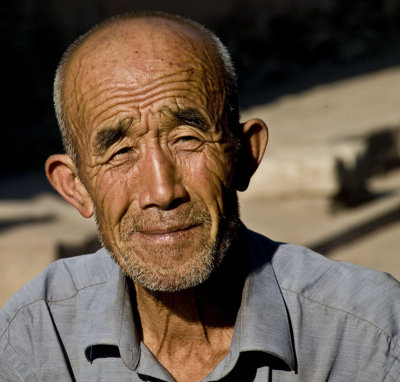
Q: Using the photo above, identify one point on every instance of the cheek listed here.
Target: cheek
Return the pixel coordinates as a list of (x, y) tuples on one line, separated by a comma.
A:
[(113, 195), (208, 175)]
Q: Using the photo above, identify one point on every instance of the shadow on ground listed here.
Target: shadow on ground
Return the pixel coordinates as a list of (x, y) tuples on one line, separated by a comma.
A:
[(24, 185), (11, 223), (262, 87)]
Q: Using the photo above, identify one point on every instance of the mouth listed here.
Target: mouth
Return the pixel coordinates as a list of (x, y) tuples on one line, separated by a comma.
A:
[(167, 230), (167, 235)]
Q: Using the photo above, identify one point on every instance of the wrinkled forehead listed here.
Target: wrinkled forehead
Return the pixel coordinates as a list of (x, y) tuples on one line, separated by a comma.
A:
[(139, 54)]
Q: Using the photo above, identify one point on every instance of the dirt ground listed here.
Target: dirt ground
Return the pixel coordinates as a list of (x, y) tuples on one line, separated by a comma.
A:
[(32, 228)]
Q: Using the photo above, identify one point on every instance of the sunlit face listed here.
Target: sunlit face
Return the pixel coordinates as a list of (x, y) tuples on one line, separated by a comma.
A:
[(155, 155)]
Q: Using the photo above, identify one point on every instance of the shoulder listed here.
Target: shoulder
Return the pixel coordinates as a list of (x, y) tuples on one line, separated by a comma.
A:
[(344, 319), (61, 280), (365, 294)]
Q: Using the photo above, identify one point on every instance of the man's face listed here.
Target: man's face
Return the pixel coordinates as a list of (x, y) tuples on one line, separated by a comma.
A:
[(155, 156)]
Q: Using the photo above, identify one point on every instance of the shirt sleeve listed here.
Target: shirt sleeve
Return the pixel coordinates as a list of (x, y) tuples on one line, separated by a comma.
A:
[(12, 368), (394, 373)]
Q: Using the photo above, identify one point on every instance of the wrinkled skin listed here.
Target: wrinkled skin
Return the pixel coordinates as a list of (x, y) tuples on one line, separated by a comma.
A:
[(159, 169), (155, 155)]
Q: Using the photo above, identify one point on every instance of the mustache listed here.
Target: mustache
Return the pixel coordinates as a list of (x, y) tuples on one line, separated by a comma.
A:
[(183, 217)]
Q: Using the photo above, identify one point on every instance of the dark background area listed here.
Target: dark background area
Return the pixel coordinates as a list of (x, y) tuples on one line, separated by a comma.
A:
[(279, 47)]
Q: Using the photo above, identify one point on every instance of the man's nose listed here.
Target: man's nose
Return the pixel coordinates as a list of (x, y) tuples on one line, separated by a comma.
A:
[(161, 184)]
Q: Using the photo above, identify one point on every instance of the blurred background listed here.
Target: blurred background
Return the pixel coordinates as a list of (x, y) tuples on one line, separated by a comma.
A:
[(323, 74)]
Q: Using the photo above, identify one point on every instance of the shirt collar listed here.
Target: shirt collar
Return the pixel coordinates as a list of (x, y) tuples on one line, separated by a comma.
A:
[(112, 320), (263, 322)]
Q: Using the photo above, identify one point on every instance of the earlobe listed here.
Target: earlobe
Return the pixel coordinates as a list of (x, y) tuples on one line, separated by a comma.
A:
[(254, 143), (61, 173)]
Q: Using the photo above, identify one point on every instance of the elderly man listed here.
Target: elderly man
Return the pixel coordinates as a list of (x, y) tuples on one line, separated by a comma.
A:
[(148, 110)]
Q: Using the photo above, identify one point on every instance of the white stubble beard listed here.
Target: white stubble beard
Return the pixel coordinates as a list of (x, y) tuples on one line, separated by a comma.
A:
[(198, 267)]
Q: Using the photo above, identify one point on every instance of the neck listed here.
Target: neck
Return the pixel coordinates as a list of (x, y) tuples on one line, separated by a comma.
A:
[(199, 318)]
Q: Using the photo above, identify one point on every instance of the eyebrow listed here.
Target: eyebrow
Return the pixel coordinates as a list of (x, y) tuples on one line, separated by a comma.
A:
[(106, 137), (191, 117)]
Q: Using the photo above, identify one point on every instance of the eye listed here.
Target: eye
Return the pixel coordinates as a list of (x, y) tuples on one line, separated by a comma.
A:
[(124, 150), (120, 154), (188, 143), (188, 138)]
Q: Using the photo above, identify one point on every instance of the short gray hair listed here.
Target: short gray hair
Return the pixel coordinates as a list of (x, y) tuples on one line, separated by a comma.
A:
[(221, 54)]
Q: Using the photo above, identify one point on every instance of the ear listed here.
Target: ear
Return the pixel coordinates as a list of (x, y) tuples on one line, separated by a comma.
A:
[(254, 142), (62, 174)]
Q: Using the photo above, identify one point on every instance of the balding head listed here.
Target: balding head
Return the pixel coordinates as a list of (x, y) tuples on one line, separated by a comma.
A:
[(146, 108), (140, 48)]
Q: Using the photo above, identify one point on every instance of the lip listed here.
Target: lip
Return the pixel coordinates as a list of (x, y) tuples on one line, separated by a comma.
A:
[(166, 231), (166, 235)]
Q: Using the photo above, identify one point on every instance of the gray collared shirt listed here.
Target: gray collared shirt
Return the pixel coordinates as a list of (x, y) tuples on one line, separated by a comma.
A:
[(302, 318)]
